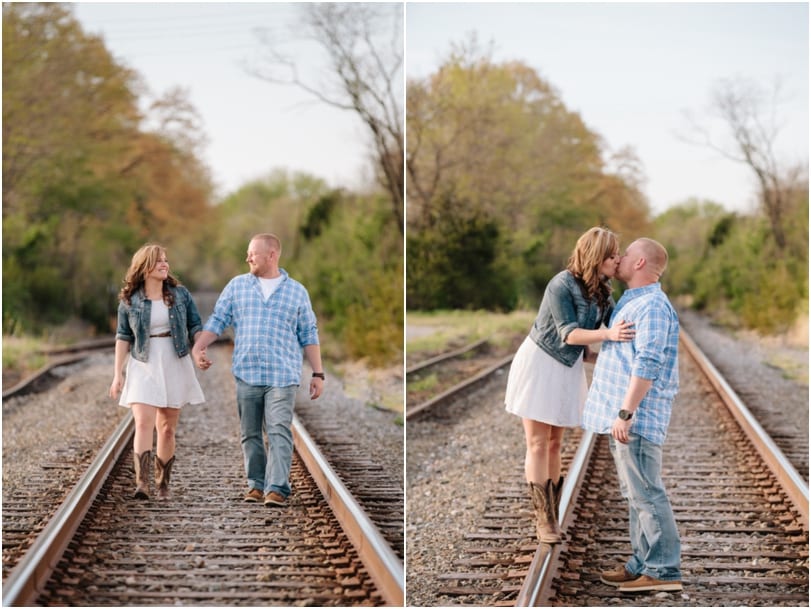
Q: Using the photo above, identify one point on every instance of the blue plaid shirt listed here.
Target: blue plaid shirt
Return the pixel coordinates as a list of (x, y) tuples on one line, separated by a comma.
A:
[(268, 335), (652, 354)]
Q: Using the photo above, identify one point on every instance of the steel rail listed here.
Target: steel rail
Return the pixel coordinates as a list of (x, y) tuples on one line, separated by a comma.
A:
[(383, 565), (410, 412), (792, 483), (26, 582), (28, 381), (541, 570), (445, 356)]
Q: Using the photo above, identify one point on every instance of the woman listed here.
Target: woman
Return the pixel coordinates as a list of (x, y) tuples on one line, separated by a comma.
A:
[(156, 318), (547, 385)]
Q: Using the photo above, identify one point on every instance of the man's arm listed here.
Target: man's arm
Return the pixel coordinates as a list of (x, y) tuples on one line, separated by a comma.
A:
[(313, 355)]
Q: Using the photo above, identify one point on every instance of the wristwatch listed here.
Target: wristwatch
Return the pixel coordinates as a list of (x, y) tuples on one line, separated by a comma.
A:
[(319, 375), (625, 415)]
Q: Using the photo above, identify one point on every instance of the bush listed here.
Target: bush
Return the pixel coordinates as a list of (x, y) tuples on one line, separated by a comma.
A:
[(352, 266), (457, 265)]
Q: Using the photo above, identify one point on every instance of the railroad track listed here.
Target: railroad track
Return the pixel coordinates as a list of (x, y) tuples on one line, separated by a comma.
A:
[(205, 546), (454, 372), (742, 518)]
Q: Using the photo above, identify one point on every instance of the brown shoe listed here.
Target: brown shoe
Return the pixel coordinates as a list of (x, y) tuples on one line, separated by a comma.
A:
[(546, 527), (616, 577), (646, 583), (275, 499), (142, 463), (254, 496), (163, 472)]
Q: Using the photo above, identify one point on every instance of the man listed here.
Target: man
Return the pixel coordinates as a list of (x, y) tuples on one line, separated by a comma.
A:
[(631, 398), (273, 320)]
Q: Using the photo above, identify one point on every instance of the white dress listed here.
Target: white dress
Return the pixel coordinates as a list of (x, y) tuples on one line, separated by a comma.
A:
[(164, 379), (542, 389)]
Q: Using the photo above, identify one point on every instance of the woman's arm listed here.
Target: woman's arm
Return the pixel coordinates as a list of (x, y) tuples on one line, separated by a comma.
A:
[(621, 331), (122, 348)]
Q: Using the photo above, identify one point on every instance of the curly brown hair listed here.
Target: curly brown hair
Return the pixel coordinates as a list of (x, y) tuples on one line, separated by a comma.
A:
[(593, 248), (143, 261)]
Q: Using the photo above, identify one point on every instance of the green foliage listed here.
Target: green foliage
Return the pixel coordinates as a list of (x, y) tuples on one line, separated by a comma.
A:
[(457, 265), (353, 268), (279, 203), (503, 179), (83, 184), (729, 264)]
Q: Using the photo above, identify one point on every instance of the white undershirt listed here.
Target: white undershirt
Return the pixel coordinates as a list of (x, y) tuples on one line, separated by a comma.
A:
[(269, 285)]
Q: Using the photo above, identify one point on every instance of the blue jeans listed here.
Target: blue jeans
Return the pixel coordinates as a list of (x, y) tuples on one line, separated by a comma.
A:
[(655, 543), (271, 407)]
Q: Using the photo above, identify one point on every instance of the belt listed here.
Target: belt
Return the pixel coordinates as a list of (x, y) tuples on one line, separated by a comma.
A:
[(162, 335)]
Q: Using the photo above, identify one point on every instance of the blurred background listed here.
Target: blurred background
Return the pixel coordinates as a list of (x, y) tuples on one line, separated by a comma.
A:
[(197, 125), (529, 123)]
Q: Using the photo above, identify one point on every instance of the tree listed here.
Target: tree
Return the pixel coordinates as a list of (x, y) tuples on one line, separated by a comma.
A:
[(498, 138), (749, 112), (494, 141), (363, 43), (84, 183)]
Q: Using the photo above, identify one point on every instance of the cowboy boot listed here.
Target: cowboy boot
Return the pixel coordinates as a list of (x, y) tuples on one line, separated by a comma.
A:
[(546, 531), (162, 473), (141, 464), (558, 488)]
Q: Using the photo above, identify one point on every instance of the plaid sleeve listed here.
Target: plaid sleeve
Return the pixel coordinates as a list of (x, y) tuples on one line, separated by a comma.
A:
[(650, 342)]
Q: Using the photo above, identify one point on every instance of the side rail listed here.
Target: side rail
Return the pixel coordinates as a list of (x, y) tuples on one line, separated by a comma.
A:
[(383, 565), (541, 570)]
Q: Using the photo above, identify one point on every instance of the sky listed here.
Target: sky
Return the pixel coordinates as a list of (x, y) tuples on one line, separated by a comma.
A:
[(252, 126), (631, 70)]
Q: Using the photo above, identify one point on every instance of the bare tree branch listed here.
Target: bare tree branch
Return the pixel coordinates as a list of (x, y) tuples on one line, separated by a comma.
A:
[(749, 113), (365, 77)]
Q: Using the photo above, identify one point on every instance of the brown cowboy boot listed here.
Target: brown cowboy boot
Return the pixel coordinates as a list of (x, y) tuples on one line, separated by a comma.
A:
[(162, 473), (141, 464), (546, 528), (558, 488)]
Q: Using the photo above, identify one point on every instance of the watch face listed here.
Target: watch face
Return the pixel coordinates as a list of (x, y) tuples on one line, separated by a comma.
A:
[(625, 415)]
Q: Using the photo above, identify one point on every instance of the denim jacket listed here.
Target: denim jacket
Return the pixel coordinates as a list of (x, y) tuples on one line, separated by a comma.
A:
[(563, 309), (134, 319)]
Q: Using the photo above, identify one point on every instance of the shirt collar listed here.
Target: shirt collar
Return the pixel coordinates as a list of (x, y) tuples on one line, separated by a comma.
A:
[(632, 293)]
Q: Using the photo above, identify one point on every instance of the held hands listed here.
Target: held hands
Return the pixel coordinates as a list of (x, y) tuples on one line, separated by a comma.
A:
[(200, 358), (622, 331)]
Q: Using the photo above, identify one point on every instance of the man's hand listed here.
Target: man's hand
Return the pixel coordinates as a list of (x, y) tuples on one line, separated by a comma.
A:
[(619, 430), (316, 387)]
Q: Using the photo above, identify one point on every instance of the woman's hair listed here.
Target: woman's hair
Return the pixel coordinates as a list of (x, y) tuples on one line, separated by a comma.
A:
[(593, 248), (143, 261)]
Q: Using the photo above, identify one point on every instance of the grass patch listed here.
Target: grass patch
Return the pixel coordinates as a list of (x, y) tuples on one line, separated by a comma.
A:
[(424, 384), (21, 357), (790, 369), (440, 331)]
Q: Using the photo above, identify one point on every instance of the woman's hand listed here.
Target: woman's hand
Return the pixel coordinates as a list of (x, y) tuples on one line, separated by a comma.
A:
[(622, 331), (117, 386)]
